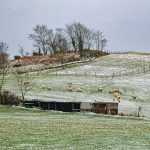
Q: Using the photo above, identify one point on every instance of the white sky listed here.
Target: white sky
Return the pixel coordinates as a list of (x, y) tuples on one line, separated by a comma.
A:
[(125, 23)]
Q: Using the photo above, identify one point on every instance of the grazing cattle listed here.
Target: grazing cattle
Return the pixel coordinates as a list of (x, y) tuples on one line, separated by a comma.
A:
[(79, 90), (115, 91), (69, 89), (100, 89), (49, 88), (134, 97), (69, 83), (26, 83)]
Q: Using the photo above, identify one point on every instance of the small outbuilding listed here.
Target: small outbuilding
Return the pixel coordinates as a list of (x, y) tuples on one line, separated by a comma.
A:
[(96, 107), (100, 107)]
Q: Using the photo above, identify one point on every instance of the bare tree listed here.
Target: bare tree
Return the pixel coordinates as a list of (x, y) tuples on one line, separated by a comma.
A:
[(103, 44), (80, 36), (24, 83), (61, 44), (3, 52), (70, 30), (52, 45), (3, 65), (76, 35), (21, 50), (89, 39), (39, 37), (100, 41), (61, 40), (3, 73)]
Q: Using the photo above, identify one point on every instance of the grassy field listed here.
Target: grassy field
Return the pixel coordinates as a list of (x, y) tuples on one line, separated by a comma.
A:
[(43, 130), (138, 85), (22, 129)]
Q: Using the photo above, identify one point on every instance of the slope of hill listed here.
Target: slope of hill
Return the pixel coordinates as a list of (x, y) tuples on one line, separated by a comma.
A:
[(114, 64), (132, 85)]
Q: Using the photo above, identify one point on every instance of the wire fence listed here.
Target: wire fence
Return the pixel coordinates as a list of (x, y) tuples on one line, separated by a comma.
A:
[(56, 70), (112, 75)]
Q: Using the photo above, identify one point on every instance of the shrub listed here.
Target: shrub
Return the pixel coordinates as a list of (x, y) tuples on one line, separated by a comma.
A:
[(72, 59), (36, 54), (17, 57), (17, 65), (9, 98)]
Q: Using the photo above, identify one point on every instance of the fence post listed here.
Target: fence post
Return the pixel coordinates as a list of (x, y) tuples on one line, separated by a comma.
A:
[(144, 69), (76, 75), (132, 71), (85, 73), (138, 70)]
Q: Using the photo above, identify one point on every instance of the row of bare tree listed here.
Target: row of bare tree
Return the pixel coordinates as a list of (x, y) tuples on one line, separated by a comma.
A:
[(74, 36)]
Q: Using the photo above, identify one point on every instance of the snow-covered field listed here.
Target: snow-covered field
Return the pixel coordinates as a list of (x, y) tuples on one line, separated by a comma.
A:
[(113, 64), (137, 85)]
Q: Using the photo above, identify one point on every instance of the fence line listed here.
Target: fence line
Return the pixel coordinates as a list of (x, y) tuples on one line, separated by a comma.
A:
[(112, 75), (133, 71)]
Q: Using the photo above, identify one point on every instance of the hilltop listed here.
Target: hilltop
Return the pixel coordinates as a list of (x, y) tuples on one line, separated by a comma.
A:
[(55, 58)]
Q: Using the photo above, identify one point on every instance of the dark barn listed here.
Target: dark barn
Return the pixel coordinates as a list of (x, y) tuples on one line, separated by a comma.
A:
[(97, 107)]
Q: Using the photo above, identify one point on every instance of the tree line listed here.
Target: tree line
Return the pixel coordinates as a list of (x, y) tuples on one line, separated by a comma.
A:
[(75, 36)]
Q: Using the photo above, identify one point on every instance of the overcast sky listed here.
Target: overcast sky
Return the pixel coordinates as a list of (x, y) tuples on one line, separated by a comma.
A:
[(125, 23)]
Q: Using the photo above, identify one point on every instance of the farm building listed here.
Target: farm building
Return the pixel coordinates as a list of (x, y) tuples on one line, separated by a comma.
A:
[(97, 107)]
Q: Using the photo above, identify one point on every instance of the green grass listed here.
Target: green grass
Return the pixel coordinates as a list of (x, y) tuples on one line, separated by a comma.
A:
[(40, 130)]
